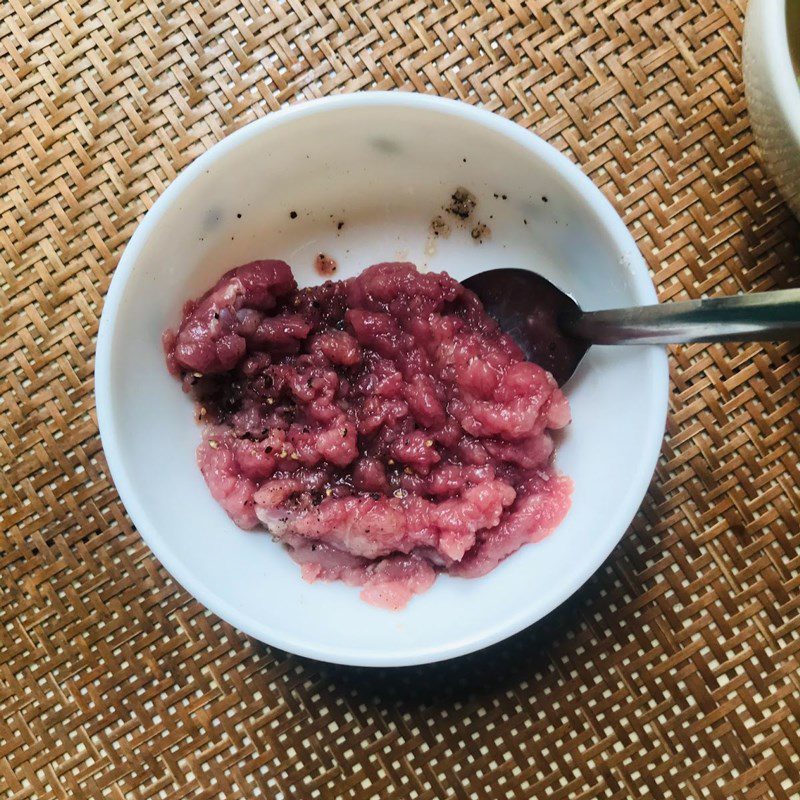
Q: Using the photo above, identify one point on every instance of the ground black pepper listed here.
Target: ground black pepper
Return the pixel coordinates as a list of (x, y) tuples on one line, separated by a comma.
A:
[(462, 203)]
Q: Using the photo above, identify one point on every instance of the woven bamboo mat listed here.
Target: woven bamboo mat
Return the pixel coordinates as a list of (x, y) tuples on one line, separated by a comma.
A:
[(672, 674)]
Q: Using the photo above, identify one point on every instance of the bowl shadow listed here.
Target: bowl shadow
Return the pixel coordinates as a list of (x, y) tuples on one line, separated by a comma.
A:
[(528, 656)]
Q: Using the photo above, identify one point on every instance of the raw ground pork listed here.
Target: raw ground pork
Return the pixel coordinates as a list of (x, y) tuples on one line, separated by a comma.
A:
[(382, 427)]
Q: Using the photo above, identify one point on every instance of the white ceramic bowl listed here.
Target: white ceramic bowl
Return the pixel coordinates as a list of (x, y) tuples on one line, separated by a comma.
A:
[(773, 96), (383, 163)]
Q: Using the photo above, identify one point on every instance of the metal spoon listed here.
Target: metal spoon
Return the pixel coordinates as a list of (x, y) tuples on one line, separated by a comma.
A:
[(555, 333)]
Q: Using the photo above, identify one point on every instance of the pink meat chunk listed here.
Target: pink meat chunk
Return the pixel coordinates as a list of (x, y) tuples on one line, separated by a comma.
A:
[(383, 427)]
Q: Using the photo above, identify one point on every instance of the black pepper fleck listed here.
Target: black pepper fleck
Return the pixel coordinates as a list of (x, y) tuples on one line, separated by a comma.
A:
[(293, 214), (440, 227), (462, 203), (480, 232)]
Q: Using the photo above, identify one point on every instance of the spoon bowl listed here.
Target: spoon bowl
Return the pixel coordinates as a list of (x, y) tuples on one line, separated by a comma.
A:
[(536, 314), (555, 333)]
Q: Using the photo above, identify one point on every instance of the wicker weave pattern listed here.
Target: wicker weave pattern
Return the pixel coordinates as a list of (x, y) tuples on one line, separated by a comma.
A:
[(673, 674)]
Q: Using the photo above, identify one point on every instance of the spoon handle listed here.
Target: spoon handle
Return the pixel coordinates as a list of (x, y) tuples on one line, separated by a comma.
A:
[(758, 317)]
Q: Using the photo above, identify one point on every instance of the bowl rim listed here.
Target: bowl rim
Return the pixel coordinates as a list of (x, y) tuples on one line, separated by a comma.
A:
[(656, 374), (776, 55)]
